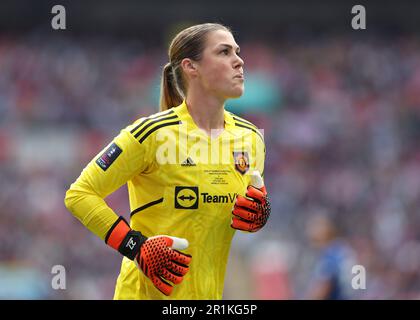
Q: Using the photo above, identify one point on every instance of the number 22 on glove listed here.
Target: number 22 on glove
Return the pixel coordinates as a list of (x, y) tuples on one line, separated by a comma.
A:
[(250, 213)]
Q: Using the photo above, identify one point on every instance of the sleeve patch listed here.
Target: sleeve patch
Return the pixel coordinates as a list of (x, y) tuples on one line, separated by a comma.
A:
[(109, 156)]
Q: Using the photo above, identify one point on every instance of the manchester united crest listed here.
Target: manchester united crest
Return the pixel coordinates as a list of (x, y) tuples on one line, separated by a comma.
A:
[(241, 161)]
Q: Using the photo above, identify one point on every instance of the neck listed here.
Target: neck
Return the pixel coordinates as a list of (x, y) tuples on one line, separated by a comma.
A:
[(206, 111)]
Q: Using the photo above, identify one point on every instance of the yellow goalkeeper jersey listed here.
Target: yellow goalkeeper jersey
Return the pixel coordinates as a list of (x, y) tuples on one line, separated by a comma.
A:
[(181, 182)]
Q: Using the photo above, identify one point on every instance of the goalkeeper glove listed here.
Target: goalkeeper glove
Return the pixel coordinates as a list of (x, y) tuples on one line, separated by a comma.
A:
[(156, 256), (251, 213)]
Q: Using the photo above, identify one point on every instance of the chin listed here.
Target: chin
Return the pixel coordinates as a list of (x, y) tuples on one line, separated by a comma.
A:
[(236, 93)]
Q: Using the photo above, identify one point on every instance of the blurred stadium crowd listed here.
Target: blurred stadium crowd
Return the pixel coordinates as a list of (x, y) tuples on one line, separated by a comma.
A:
[(342, 140)]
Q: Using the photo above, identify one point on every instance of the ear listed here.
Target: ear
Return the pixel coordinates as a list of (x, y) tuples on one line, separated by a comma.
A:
[(189, 67)]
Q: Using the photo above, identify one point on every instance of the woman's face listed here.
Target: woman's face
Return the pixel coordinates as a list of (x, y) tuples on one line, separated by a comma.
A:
[(220, 70)]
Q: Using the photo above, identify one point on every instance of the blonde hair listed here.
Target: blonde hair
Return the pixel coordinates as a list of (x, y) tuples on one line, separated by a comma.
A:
[(189, 43)]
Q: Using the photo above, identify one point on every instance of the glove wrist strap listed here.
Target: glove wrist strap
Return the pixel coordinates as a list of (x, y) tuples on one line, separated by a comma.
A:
[(122, 238)]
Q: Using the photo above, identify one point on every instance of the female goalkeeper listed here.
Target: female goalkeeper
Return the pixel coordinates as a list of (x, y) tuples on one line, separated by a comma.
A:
[(188, 170)]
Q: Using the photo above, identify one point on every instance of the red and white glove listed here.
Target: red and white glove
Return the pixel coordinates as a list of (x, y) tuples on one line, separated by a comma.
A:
[(251, 213), (157, 257), (160, 260)]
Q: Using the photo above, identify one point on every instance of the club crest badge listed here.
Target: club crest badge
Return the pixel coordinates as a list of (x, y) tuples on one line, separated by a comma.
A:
[(241, 161)]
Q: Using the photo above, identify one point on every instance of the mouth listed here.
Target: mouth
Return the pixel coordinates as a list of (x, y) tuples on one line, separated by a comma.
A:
[(239, 76)]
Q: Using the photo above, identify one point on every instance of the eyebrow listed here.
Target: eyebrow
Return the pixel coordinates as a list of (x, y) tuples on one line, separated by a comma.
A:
[(230, 47)]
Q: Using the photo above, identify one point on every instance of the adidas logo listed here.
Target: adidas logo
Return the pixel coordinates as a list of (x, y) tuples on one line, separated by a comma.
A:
[(188, 162)]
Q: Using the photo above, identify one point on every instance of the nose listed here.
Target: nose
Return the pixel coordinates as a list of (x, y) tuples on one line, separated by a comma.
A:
[(239, 63)]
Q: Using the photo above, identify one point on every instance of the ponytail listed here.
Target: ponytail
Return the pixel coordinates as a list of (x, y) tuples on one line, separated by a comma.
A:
[(169, 93)]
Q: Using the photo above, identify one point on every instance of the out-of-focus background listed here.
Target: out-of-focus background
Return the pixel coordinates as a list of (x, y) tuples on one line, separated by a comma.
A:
[(340, 111)]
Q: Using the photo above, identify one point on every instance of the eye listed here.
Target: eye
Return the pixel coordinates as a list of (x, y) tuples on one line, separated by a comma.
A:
[(238, 53), (225, 51)]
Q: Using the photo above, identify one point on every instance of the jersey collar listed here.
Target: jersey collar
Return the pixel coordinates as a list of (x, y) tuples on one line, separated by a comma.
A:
[(184, 115)]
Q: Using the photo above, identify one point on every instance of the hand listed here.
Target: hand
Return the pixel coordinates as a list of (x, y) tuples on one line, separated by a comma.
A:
[(158, 257), (252, 212), (160, 261)]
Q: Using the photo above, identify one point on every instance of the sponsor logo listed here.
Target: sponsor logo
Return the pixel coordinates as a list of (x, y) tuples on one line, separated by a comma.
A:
[(188, 162), (209, 198), (186, 197)]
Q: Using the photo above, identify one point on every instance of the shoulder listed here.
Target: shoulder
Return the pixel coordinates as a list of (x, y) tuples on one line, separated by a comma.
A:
[(246, 125), (143, 128)]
